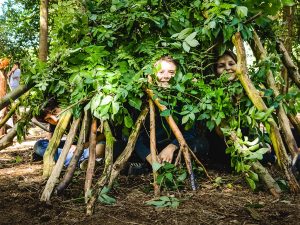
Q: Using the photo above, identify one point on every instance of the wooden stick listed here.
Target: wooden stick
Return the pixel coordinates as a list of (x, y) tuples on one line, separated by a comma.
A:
[(107, 169), (182, 143), (153, 146), (293, 70), (40, 125), (54, 143), (295, 121), (258, 102), (76, 155), (53, 179), (92, 160), (13, 95), (267, 179), (123, 158), (7, 140)]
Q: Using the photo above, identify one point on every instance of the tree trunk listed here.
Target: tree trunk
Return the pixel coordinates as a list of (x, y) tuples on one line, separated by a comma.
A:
[(43, 48)]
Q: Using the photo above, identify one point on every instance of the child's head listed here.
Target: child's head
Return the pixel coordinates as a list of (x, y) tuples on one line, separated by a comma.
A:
[(227, 62), (166, 69)]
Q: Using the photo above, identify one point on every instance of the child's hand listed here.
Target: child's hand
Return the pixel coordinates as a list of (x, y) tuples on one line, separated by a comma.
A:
[(166, 155)]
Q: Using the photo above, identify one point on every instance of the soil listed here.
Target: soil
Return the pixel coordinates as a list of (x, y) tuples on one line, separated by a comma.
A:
[(228, 202)]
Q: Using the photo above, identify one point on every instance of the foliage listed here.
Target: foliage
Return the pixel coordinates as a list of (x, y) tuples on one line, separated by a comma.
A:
[(164, 201), (105, 198), (170, 176)]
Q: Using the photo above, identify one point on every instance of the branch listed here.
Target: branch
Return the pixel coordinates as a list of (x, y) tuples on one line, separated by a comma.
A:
[(53, 179)]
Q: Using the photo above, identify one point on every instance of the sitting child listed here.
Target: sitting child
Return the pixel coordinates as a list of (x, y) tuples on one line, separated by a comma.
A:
[(166, 141)]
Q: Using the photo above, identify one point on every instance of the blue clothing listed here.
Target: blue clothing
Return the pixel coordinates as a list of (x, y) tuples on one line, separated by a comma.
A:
[(41, 145)]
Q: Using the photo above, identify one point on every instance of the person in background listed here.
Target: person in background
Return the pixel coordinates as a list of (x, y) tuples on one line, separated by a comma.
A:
[(14, 76)]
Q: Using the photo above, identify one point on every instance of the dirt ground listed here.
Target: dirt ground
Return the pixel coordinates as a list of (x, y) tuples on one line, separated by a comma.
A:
[(232, 202)]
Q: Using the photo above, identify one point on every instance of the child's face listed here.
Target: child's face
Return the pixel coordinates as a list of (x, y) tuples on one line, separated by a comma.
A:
[(226, 63), (166, 70)]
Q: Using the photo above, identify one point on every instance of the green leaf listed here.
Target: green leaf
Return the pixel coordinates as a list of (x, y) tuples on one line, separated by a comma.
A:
[(182, 35), (169, 176), (182, 177), (156, 166), (166, 112), (212, 24), (135, 102), (128, 121), (107, 99), (115, 107), (251, 183), (241, 11), (186, 47), (185, 119)]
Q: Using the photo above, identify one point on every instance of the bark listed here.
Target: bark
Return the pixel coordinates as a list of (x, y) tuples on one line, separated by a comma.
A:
[(295, 121), (177, 133), (107, 169), (53, 179), (92, 160), (13, 95), (43, 48), (293, 70), (76, 155), (48, 158), (252, 93), (261, 54), (153, 149), (267, 179)]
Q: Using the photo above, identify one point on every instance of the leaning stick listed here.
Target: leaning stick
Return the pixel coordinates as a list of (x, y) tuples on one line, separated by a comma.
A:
[(267, 179), (260, 105), (13, 95), (92, 159), (12, 110), (76, 155), (295, 121), (153, 146), (260, 53), (53, 179), (182, 143), (107, 169), (54, 143), (293, 70), (124, 156)]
